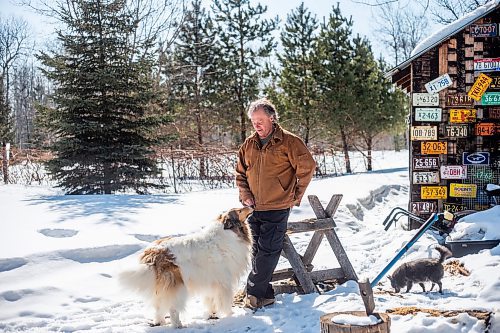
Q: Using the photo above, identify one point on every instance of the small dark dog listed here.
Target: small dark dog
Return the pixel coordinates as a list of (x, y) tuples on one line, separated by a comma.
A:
[(419, 271)]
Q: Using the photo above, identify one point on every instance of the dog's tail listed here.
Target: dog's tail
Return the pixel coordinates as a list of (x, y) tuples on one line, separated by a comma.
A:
[(444, 252), (140, 279)]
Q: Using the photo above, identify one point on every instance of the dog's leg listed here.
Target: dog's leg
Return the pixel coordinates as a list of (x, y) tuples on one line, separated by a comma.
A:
[(440, 286), (423, 287), (160, 311), (175, 318), (209, 302), (225, 301), (432, 286), (409, 284)]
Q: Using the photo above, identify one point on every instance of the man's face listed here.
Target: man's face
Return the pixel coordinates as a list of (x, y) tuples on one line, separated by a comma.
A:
[(262, 123)]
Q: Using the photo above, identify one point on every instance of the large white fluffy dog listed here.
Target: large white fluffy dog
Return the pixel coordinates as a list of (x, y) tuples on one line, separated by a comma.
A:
[(209, 263)]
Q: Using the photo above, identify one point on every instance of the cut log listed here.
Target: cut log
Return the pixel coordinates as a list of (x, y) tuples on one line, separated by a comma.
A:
[(328, 326)]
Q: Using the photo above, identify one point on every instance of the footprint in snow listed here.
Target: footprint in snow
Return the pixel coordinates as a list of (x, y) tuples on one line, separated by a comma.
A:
[(11, 263), (100, 254), (58, 233)]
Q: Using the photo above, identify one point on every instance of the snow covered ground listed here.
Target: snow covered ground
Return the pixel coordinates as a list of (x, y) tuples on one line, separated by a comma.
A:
[(60, 255)]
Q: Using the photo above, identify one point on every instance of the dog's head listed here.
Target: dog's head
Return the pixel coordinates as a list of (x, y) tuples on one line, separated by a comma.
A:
[(236, 220), (394, 283)]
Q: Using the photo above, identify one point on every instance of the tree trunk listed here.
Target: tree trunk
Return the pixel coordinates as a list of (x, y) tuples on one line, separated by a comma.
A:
[(243, 131), (5, 162), (345, 148), (328, 326), (369, 143)]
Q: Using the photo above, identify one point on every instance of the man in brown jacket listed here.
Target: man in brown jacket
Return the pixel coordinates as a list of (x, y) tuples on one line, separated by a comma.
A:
[(273, 171)]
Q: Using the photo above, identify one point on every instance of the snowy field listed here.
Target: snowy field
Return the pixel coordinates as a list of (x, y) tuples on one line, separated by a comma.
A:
[(60, 256)]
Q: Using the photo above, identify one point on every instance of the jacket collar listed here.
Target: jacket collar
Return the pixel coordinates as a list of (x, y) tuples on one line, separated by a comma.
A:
[(277, 135)]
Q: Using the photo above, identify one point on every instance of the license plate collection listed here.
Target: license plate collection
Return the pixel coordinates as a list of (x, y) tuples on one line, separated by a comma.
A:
[(439, 121)]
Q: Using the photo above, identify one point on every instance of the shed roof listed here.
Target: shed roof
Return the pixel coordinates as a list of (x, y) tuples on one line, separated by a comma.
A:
[(399, 72)]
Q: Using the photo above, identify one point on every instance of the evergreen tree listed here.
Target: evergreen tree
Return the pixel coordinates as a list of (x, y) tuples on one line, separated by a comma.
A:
[(299, 62), (191, 75), (335, 77), (5, 130), (245, 40), (378, 108), (104, 96)]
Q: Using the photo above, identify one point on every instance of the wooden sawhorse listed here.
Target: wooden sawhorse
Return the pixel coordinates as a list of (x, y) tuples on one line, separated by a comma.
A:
[(301, 271)]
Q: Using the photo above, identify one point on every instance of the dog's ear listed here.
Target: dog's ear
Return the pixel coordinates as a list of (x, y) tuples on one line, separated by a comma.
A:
[(231, 220)]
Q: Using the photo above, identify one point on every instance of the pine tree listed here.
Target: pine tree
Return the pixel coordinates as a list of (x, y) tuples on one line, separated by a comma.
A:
[(335, 77), (6, 132), (106, 129), (378, 108), (191, 75), (299, 62), (245, 40)]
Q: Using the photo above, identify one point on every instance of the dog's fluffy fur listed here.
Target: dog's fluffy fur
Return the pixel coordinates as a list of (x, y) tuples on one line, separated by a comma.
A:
[(420, 271), (209, 263)]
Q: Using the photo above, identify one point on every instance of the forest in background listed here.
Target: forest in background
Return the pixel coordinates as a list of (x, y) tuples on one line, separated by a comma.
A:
[(125, 81)]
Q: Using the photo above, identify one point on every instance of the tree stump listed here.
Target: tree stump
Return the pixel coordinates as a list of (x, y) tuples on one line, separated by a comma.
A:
[(328, 326)]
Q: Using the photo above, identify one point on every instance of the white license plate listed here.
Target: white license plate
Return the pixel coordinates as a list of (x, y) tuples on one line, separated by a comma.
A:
[(423, 207), (425, 177), (453, 171), (438, 84), (425, 99), (422, 133), (428, 114), (457, 131), (487, 65), (425, 162)]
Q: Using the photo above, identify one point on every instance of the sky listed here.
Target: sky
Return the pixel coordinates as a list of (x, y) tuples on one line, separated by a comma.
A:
[(60, 257), (362, 15)]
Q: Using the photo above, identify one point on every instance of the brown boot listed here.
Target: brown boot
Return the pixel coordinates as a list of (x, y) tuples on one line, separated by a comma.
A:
[(253, 302)]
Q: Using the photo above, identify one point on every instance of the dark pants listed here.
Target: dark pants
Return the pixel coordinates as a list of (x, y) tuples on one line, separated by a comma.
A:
[(268, 230)]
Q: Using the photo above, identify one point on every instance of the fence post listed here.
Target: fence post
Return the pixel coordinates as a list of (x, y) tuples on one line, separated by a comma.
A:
[(5, 161)]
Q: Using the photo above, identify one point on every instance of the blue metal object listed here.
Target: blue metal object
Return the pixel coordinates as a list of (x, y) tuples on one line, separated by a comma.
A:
[(430, 221)]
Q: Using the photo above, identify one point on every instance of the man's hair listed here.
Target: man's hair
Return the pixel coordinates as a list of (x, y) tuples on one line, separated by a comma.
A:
[(264, 104)]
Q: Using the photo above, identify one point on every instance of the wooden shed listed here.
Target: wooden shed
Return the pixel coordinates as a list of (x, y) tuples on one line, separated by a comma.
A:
[(453, 80)]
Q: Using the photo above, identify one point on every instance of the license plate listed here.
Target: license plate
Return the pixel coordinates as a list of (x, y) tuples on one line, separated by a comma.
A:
[(483, 174), (494, 113), (433, 147), (495, 83), (425, 177), (419, 133), (457, 131), (491, 98), (433, 192), (453, 171), (483, 30), (423, 207), (477, 158), (463, 190), (438, 84), (424, 99), (453, 208), (425, 163), (462, 115), (428, 114), (487, 65), (459, 100), (479, 87), (485, 129)]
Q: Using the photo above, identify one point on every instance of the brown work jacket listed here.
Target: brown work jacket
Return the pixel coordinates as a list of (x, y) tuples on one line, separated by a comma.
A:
[(276, 175)]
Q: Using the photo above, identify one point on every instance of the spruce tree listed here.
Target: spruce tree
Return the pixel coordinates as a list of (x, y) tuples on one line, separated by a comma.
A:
[(104, 96), (335, 77), (191, 75), (299, 62), (245, 40)]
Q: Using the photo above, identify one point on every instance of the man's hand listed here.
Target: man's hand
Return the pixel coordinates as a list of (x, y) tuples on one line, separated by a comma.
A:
[(250, 202)]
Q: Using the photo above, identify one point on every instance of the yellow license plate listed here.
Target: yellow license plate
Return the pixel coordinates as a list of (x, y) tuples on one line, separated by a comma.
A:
[(433, 192), (463, 190), (479, 88), (462, 115), (433, 147)]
